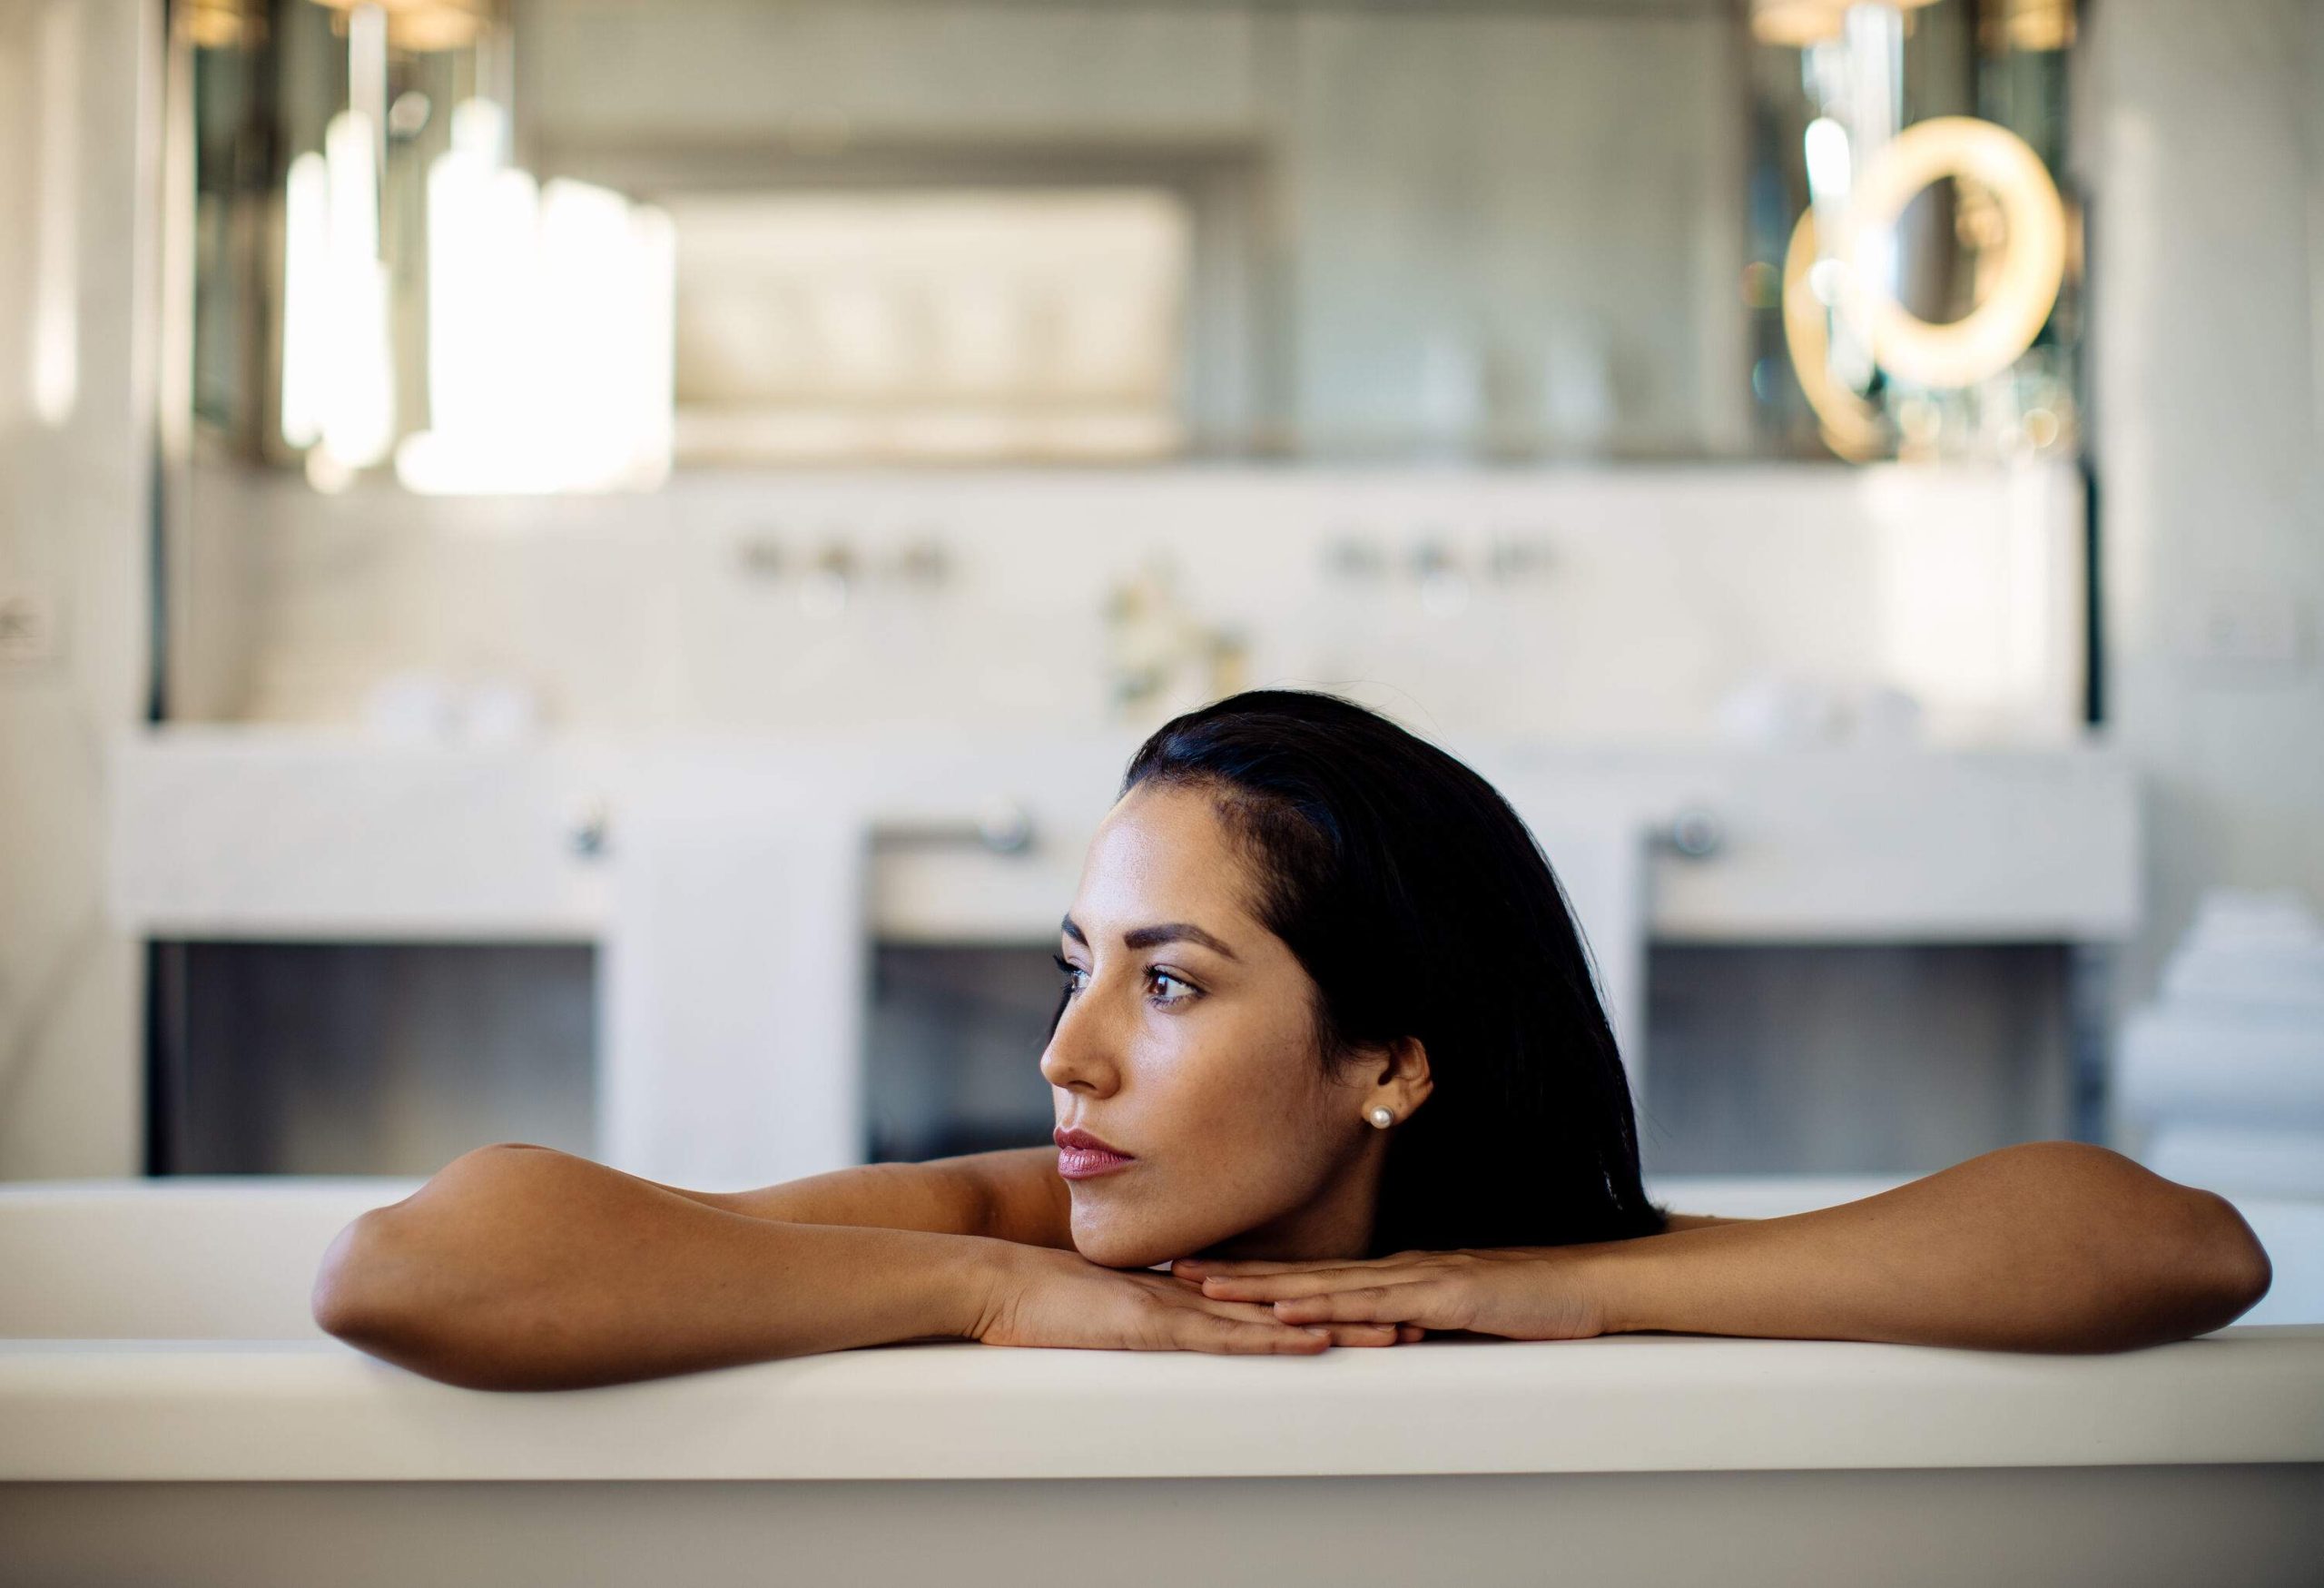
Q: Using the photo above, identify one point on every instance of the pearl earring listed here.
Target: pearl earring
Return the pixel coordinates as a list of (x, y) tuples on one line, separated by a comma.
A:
[(1381, 1117)]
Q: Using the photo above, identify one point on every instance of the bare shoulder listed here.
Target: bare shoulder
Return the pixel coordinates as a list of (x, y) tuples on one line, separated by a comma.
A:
[(1015, 1195)]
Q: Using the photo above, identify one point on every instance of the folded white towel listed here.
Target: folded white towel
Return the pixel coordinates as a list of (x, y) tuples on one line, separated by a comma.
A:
[(2289, 978), (2256, 949), (2266, 1070), (732, 979), (2238, 1161)]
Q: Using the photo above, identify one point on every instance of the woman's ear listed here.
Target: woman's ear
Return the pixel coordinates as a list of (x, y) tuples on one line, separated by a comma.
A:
[(1402, 1079)]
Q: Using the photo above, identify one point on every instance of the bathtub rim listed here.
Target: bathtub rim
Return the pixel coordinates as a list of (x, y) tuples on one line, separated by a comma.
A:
[(96, 1410), (278, 1408)]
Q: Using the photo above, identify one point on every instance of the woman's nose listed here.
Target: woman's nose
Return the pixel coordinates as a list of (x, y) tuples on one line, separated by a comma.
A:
[(1079, 1056)]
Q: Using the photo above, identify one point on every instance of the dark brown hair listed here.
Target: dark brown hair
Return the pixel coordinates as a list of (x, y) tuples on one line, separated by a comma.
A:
[(1420, 906)]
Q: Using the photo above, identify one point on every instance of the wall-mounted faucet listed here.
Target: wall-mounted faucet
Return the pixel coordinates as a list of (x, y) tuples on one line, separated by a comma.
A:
[(1444, 566), (835, 572)]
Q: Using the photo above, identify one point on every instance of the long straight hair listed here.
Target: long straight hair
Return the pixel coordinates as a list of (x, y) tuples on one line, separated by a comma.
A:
[(1420, 906)]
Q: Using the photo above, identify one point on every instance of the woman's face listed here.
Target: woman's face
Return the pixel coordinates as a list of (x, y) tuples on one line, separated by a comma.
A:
[(1188, 1042)]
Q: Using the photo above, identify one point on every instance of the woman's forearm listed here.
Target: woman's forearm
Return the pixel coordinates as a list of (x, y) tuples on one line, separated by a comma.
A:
[(521, 1268), (2048, 1246)]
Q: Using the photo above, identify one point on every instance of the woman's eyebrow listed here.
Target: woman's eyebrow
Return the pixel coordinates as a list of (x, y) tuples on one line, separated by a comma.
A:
[(1147, 937)]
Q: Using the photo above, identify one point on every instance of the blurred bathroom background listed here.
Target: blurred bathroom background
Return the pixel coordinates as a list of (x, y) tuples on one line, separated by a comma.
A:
[(580, 571)]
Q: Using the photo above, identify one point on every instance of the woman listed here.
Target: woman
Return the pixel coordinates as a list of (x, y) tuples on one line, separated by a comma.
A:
[(1328, 1048)]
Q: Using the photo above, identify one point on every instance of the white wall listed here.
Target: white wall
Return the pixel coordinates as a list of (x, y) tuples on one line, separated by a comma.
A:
[(75, 401), (2205, 151)]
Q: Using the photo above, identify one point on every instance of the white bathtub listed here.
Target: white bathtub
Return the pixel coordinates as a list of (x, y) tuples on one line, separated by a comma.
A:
[(168, 1413)]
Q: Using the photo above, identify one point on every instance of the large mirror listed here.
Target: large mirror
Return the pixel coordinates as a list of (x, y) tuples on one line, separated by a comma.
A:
[(546, 244)]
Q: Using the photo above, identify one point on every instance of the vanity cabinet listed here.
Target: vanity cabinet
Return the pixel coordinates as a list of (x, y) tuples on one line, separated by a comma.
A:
[(738, 962)]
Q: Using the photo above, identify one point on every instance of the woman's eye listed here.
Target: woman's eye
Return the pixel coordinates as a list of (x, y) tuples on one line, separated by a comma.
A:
[(1161, 981), (1162, 986)]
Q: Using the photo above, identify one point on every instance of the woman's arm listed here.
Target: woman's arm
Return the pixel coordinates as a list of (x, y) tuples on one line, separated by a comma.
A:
[(521, 1267), (1673, 1221), (2053, 1245), (1013, 1194)]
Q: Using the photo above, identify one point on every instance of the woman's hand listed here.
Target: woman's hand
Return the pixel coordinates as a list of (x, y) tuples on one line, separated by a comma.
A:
[(1042, 1296), (1523, 1293)]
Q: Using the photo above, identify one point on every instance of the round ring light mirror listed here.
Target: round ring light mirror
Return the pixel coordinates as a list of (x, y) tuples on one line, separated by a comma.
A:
[(1850, 426), (1990, 337)]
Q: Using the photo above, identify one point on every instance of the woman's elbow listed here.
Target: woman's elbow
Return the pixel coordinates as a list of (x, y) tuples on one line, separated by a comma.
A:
[(374, 1292), (2207, 1272), (2234, 1265), (380, 1266), (2178, 1261), (367, 1295), (351, 1298), (399, 1284)]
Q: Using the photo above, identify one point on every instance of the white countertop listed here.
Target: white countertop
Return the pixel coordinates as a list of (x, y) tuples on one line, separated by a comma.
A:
[(255, 1410), (282, 833)]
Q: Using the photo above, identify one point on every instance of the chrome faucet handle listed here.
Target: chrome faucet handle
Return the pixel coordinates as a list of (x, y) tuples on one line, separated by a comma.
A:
[(590, 834), (1693, 832)]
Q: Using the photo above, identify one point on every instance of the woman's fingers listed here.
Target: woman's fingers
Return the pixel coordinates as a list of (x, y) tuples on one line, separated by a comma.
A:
[(1198, 1321), (1254, 1325), (1171, 1290), (1241, 1311), (1199, 1269), (1430, 1305), (1282, 1337), (1203, 1331), (1312, 1282), (1359, 1334), (1242, 1318), (1259, 1312)]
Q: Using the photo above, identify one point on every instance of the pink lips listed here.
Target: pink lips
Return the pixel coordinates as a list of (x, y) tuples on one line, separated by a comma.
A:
[(1081, 1156)]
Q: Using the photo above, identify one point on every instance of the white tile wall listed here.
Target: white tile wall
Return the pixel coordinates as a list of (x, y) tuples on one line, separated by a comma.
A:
[(1658, 592)]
